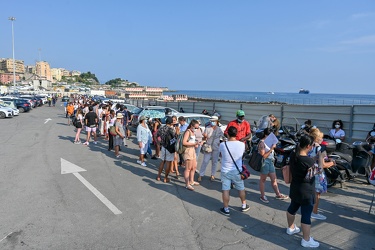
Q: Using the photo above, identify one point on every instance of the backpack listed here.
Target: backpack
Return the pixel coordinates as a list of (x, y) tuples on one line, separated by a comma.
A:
[(179, 146), (169, 143)]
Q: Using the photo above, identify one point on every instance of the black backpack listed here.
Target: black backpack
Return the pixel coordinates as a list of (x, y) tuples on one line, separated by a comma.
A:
[(170, 142), (75, 121)]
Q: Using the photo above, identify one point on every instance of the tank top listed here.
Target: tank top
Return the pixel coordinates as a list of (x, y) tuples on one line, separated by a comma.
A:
[(266, 148)]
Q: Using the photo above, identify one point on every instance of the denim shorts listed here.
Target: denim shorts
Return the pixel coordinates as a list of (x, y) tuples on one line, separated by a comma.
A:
[(231, 177), (268, 166)]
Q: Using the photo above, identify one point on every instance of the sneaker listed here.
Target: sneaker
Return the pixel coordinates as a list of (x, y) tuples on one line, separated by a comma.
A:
[(118, 156), (139, 162), (144, 164), (95, 142), (295, 230), (86, 143), (225, 212), (282, 197), (310, 243), (264, 199), (154, 157), (318, 216), (244, 209)]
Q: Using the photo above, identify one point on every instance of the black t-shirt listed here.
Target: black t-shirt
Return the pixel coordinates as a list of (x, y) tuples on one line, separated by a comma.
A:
[(301, 189), (90, 119)]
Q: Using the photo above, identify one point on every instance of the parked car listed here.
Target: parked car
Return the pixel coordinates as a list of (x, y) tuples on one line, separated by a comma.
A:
[(5, 112), (9, 104), (150, 112), (21, 104), (65, 99)]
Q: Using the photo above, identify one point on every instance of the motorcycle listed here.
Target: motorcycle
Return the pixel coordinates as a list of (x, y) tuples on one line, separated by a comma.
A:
[(351, 160)]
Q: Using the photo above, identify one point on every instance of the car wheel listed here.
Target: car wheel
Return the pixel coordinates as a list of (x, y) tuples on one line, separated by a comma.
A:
[(21, 110), (2, 115)]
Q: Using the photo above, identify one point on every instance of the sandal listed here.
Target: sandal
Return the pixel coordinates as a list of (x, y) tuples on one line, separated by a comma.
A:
[(166, 180), (199, 178), (282, 197), (212, 178), (194, 183), (158, 178), (189, 187)]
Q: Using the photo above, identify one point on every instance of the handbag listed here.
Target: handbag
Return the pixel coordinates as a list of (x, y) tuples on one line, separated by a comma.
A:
[(245, 173), (287, 175), (206, 148), (256, 160), (112, 130)]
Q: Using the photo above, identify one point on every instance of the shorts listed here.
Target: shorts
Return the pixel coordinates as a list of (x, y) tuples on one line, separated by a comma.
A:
[(144, 148), (166, 155), (118, 140), (232, 177), (88, 129), (267, 167), (189, 154)]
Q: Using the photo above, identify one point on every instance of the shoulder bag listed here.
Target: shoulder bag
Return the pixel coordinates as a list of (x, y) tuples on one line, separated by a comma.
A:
[(256, 160), (245, 173)]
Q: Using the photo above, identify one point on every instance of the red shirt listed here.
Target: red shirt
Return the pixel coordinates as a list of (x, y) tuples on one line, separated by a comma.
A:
[(243, 129)]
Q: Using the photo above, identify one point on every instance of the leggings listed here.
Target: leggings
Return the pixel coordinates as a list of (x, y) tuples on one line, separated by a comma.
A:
[(305, 211)]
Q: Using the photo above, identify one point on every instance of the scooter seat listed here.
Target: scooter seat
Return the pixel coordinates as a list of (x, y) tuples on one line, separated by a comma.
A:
[(346, 157)]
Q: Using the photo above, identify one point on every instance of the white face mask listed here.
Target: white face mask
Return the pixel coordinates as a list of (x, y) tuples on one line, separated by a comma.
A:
[(337, 126)]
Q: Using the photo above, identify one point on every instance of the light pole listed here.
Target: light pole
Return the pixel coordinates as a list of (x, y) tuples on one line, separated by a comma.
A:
[(12, 19)]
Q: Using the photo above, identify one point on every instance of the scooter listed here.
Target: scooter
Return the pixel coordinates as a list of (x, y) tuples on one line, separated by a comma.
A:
[(351, 160)]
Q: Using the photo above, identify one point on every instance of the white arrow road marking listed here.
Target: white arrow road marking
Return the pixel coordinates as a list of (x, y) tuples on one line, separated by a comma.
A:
[(47, 120), (70, 168)]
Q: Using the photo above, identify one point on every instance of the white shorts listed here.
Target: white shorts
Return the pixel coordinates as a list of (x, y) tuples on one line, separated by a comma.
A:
[(88, 129), (165, 155), (144, 148)]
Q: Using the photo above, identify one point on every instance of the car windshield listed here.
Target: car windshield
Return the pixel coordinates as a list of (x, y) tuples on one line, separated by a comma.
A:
[(137, 110)]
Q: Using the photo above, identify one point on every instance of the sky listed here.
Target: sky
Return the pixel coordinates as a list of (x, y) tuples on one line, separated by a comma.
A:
[(241, 45)]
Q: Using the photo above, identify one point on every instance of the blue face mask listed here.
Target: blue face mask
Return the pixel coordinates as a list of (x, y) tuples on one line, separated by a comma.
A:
[(213, 123)]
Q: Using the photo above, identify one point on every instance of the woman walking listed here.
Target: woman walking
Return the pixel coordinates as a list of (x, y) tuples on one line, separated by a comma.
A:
[(120, 134), (213, 134), (268, 169), (302, 190), (111, 122), (189, 155), (143, 137), (79, 126)]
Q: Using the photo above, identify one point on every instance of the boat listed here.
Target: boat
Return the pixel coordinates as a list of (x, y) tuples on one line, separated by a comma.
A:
[(270, 93), (304, 91)]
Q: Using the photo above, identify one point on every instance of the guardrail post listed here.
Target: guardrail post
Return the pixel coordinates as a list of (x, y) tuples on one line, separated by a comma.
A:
[(351, 123)]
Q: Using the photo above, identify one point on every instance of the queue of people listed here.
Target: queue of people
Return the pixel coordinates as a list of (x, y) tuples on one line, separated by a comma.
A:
[(306, 163)]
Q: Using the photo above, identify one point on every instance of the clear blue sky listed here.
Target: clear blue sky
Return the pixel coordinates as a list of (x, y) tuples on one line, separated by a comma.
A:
[(280, 46)]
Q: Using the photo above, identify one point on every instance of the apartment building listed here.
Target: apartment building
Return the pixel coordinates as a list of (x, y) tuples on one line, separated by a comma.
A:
[(7, 78), (57, 74), (6, 66), (43, 70)]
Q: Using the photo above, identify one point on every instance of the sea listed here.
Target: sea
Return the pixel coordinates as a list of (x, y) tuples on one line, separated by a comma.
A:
[(280, 97)]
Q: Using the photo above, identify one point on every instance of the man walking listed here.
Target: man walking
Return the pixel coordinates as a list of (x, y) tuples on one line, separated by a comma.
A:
[(91, 122)]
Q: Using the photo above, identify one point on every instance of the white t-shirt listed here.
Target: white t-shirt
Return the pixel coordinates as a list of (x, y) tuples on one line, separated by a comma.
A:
[(338, 134), (237, 149)]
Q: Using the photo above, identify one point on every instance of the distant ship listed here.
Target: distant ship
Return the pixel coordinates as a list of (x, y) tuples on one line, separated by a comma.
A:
[(304, 91), (270, 93)]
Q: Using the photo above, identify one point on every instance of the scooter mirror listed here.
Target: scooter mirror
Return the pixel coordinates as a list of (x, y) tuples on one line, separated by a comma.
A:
[(338, 141), (372, 133), (281, 131)]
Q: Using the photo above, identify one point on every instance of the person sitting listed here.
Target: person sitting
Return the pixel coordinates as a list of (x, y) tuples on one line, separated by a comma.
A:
[(337, 131), (182, 110)]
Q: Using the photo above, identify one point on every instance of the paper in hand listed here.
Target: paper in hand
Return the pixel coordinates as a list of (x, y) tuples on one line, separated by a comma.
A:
[(271, 140)]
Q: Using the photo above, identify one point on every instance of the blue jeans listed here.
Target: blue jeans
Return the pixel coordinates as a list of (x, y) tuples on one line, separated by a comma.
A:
[(149, 151)]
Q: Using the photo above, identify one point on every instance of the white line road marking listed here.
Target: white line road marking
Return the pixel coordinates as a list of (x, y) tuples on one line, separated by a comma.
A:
[(47, 120), (71, 168), (6, 236), (96, 192)]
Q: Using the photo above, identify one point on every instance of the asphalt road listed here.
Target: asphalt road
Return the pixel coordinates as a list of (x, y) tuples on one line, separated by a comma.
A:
[(44, 209)]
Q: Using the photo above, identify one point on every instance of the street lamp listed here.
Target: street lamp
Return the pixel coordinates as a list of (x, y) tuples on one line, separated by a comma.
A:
[(14, 61)]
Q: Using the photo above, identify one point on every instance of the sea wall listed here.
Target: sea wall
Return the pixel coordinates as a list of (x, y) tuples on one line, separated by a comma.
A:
[(357, 119)]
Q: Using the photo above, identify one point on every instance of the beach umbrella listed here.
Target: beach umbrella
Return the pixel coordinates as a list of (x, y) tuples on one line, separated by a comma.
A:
[(152, 113)]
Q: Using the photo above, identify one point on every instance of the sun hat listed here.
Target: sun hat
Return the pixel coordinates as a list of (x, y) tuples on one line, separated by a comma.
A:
[(240, 113), (214, 118), (119, 116)]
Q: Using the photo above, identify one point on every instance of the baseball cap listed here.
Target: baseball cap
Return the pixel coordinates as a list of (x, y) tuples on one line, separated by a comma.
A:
[(240, 113)]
